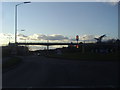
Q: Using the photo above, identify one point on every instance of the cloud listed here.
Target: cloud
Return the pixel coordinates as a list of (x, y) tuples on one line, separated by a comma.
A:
[(5, 38), (37, 37), (57, 37), (21, 35), (46, 37), (87, 37), (90, 38), (3, 35), (112, 2)]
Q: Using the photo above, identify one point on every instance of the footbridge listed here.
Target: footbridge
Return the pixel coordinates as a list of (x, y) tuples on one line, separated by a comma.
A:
[(47, 44)]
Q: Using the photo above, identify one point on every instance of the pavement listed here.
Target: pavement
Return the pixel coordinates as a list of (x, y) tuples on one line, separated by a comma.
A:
[(43, 72)]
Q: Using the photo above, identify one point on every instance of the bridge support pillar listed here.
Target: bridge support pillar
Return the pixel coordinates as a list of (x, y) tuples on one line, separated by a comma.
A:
[(83, 48), (47, 47)]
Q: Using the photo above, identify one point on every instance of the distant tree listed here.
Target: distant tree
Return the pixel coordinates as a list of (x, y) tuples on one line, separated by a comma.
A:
[(111, 41), (118, 41), (7, 50)]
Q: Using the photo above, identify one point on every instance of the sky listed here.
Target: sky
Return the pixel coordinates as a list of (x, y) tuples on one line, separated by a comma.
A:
[(60, 21)]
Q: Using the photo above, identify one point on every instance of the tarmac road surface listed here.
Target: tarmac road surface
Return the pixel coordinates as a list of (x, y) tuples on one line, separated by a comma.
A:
[(40, 72)]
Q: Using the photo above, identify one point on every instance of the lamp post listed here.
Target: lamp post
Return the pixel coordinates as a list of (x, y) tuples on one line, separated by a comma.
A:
[(16, 19), (83, 47)]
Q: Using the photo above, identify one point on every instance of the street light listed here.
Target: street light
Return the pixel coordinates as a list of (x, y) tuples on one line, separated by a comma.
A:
[(16, 19), (83, 47)]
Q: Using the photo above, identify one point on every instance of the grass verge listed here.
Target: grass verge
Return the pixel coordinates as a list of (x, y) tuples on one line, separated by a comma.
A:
[(11, 62), (87, 56)]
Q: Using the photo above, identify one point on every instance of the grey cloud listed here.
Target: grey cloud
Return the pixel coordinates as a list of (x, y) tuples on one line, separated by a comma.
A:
[(37, 37), (87, 37), (45, 37), (57, 37), (111, 2), (21, 35)]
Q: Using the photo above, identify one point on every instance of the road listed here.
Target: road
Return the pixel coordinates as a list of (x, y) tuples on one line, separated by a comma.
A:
[(40, 72)]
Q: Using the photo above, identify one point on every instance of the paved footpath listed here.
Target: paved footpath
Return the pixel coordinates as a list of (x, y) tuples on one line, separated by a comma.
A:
[(37, 71)]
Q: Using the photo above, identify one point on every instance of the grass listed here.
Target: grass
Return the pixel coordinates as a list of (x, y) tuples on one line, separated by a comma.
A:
[(87, 56), (11, 62)]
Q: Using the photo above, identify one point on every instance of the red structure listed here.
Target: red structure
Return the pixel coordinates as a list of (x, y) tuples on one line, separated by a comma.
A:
[(77, 37), (77, 46)]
